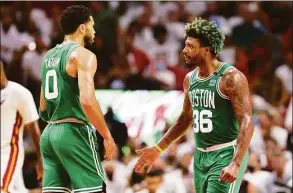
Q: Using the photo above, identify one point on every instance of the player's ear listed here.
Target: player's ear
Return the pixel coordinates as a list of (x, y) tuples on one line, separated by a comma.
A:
[(206, 51), (82, 28)]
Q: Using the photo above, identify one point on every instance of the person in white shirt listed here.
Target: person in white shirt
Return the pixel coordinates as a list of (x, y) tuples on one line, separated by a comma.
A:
[(10, 36), (154, 181), (18, 113), (266, 129), (116, 174), (284, 72), (281, 165), (259, 181)]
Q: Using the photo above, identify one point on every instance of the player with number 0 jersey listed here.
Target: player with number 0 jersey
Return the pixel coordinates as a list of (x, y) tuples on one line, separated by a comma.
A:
[(68, 143)]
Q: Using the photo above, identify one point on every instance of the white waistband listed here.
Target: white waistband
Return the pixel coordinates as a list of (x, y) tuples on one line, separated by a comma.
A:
[(218, 146), (66, 120)]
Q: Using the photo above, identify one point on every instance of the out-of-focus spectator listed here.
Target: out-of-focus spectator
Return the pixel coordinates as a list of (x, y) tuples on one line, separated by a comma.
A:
[(248, 31), (55, 31), (270, 87), (266, 129), (137, 59), (106, 27), (284, 72), (118, 131), (259, 181), (179, 71), (154, 180), (281, 165), (116, 174), (10, 36), (163, 53), (31, 64)]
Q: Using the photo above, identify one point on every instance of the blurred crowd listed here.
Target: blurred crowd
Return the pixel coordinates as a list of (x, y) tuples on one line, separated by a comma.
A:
[(139, 46)]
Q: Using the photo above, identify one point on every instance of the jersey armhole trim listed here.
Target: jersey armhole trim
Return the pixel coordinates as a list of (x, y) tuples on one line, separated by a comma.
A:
[(218, 86), (67, 56), (191, 78), (219, 91)]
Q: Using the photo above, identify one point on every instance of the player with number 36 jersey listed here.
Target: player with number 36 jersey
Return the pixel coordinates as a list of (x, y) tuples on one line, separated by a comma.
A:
[(217, 105)]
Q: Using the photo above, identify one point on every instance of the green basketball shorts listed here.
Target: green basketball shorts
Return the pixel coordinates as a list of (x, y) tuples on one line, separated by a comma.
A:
[(70, 159), (208, 167)]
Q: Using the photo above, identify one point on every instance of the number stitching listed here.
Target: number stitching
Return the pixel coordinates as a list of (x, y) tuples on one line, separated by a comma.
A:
[(51, 95), (202, 121)]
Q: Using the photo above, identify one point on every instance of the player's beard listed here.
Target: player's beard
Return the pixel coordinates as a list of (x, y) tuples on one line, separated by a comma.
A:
[(193, 61), (88, 40)]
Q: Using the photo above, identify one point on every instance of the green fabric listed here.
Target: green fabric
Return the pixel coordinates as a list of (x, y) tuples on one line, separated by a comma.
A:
[(70, 158), (214, 119), (43, 115), (61, 92), (208, 167)]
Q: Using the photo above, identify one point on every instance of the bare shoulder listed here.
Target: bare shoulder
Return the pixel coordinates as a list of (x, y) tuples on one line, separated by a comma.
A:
[(232, 79), (186, 81), (81, 54)]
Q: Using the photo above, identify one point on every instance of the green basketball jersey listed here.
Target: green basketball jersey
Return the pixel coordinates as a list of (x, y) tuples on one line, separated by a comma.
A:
[(60, 90), (214, 119)]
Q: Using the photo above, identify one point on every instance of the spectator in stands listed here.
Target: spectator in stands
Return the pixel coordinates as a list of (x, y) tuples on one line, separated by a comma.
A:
[(248, 31), (163, 53), (281, 165), (106, 27), (259, 181), (116, 175), (31, 65), (118, 131), (154, 180), (180, 70), (10, 36), (138, 61), (266, 129), (284, 72)]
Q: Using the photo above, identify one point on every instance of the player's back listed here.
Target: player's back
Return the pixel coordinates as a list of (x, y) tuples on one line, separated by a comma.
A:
[(61, 91)]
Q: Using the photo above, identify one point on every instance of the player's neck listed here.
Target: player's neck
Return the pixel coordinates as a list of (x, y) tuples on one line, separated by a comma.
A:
[(208, 67), (75, 38)]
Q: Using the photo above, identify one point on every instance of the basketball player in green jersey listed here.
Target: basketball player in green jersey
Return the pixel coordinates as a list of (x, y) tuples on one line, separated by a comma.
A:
[(68, 143), (217, 102)]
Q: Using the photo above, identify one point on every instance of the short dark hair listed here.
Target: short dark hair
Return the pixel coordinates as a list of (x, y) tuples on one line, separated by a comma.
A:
[(73, 16), (159, 30)]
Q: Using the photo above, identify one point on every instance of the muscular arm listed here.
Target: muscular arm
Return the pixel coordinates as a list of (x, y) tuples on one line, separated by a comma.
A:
[(86, 68), (182, 123), (235, 86)]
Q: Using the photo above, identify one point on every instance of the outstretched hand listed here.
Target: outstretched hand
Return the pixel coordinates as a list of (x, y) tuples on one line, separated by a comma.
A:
[(148, 156)]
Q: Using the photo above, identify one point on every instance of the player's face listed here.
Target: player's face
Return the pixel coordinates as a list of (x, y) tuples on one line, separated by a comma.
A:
[(89, 31), (192, 52)]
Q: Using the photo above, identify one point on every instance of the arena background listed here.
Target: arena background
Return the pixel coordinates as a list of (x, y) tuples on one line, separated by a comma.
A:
[(140, 74)]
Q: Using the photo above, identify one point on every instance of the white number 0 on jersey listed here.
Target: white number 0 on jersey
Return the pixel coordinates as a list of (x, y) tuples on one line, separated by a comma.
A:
[(54, 93), (202, 121)]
